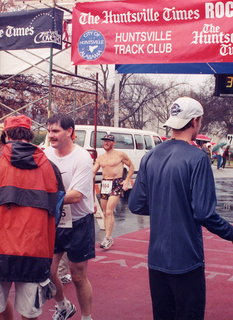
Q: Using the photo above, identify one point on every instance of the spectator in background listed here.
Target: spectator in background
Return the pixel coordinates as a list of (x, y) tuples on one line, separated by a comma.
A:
[(225, 156), (30, 186), (207, 147), (219, 153)]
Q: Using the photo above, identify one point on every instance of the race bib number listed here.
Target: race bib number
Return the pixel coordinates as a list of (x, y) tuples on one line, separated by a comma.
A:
[(66, 217), (106, 186)]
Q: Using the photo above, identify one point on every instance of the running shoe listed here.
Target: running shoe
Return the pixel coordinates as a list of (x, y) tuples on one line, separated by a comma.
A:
[(63, 314), (66, 278), (106, 243)]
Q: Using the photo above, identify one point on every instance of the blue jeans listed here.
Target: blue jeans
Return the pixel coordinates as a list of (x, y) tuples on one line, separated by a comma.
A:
[(219, 161)]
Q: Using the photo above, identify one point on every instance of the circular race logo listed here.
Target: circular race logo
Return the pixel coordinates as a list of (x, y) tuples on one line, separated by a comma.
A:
[(175, 109), (91, 45)]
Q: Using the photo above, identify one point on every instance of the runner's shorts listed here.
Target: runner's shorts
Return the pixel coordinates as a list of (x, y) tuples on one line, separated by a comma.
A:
[(79, 241), (117, 188), (26, 294)]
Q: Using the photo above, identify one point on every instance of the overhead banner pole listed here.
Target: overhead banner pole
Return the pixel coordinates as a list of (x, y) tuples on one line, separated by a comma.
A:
[(116, 99), (50, 75), (50, 82)]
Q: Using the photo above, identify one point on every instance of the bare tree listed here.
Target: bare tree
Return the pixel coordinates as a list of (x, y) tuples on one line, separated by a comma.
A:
[(218, 118), (20, 90), (6, 5), (107, 95), (145, 102), (29, 94)]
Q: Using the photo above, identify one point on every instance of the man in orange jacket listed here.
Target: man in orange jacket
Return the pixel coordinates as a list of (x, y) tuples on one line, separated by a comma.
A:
[(30, 186)]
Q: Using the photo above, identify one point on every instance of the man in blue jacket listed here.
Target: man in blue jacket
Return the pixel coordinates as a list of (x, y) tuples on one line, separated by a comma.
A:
[(175, 186)]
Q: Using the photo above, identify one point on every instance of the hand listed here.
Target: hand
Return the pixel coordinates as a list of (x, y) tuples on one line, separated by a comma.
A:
[(95, 208), (125, 185)]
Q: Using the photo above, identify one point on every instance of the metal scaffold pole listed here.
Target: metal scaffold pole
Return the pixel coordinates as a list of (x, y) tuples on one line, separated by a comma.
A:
[(50, 74), (116, 100), (50, 82)]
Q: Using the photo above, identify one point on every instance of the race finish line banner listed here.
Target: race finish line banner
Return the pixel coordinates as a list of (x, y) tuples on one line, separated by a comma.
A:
[(31, 29), (152, 31)]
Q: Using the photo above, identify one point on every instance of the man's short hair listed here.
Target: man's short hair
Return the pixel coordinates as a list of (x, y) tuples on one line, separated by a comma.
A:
[(64, 120)]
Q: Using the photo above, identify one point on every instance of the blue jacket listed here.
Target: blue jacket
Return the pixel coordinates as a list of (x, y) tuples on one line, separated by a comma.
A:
[(175, 186)]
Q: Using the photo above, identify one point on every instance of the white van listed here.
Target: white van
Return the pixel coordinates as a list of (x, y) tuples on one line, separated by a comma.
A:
[(135, 143)]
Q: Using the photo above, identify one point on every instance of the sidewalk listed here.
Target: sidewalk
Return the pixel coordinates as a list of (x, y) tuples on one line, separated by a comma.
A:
[(120, 281), (222, 173)]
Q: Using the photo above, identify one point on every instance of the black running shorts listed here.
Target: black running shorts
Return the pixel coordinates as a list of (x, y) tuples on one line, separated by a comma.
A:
[(79, 241)]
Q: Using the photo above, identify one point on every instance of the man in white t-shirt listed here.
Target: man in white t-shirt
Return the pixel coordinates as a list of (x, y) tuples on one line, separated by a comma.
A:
[(75, 233)]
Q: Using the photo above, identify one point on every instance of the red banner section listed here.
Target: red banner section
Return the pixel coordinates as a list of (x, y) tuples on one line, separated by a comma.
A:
[(155, 31)]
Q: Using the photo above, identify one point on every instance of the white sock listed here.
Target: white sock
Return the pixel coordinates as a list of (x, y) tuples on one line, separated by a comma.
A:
[(63, 304), (86, 317)]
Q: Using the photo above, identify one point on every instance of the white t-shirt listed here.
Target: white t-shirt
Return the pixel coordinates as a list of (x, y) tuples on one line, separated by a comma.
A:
[(76, 172)]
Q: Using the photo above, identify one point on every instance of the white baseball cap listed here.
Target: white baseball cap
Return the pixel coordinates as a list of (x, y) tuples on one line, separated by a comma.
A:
[(182, 111)]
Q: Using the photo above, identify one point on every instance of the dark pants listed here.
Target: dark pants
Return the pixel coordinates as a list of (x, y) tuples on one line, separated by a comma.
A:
[(224, 161), (178, 296)]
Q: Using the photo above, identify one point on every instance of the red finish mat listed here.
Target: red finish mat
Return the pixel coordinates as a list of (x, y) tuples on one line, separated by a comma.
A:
[(120, 282)]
